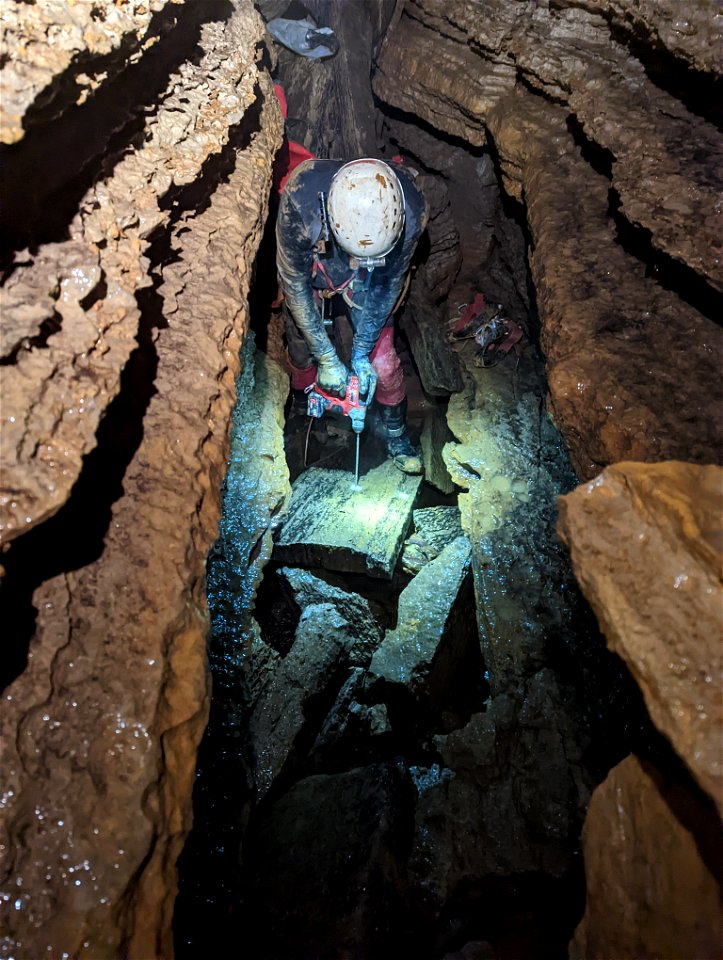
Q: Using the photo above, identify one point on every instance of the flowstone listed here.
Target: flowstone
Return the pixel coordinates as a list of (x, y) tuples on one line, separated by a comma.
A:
[(333, 525)]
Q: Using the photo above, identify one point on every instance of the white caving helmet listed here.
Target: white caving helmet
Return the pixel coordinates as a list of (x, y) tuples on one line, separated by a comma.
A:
[(366, 208)]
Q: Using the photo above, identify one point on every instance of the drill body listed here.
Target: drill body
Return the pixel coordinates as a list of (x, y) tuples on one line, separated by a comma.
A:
[(318, 402)]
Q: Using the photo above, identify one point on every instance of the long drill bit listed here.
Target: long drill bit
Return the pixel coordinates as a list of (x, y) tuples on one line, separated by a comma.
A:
[(356, 466)]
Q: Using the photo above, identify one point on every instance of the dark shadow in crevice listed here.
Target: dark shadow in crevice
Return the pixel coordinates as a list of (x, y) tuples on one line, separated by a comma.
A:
[(86, 142), (600, 158), (74, 536), (670, 273), (403, 116), (700, 93), (47, 328), (637, 241)]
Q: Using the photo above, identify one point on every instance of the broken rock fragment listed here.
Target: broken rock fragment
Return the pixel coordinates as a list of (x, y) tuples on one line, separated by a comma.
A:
[(316, 661), (331, 524), (434, 629), (309, 590), (434, 529)]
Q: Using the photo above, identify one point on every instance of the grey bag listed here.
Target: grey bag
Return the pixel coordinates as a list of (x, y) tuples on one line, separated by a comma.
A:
[(304, 37)]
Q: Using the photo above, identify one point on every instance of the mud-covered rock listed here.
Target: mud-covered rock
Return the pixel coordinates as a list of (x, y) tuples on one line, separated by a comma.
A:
[(320, 652), (434, 630), (645, 541), (330, 524), (434, 529), (352, 720), (309, 590), (650, 867)]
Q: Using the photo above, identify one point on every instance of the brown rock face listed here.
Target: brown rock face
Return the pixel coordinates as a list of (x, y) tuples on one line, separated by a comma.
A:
[(145, 302), (620, 183), (645, 543), (635, 908)]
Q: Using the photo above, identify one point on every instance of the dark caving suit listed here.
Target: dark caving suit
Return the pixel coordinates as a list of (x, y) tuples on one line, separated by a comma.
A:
[(306, 274)]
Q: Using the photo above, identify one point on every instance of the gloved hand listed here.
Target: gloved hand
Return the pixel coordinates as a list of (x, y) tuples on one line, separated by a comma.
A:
[(362, 367), (332, 375)]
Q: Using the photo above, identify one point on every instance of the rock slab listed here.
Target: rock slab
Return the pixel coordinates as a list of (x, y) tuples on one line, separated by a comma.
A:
[(333, 525), (645, 541), (635, 909), (428, 638)]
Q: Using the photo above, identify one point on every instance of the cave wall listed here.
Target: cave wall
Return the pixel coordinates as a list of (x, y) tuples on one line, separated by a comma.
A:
[(126, 264), (596, 135), (137, 165)]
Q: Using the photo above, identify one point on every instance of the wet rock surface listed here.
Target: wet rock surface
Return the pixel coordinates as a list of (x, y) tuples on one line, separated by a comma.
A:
[(638, 819), (645, 542), (100, 729), (434, 529), (330, 524), (428, 643), (553, 89)]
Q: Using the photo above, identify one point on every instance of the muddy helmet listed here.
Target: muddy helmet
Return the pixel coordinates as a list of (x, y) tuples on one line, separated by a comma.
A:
[(366, 208)]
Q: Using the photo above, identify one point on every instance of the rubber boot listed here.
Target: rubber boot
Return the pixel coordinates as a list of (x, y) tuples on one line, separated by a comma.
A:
[(392, 421)]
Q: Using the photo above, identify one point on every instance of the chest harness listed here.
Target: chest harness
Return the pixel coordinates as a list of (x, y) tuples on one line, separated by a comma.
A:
[(360, 271)]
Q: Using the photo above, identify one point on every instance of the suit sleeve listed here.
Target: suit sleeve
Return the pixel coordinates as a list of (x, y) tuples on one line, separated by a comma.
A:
[(294, 260)]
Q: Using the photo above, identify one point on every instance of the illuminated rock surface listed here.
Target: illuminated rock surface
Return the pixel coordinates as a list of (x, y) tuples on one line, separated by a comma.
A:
[(329, 524), (434, 529), (309, 590), (637, 822), (434, 630), (646, 545)]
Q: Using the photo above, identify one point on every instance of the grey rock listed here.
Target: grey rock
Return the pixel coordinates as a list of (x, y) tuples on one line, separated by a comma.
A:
[(330, 524), (433, 631), (425, 324), (309, 590), (434, 529), (511, 804), (350, 716), (435, 434), (322, 647), (325, 864)]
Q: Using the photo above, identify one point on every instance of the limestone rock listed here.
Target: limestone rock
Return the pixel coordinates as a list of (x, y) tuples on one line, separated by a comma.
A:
[(100, 731), (646, 543), (309, 590), (425, 324), (434, 529), (351, 719), (332, 525), (650, 893), (320, 649), (324, 865), (433, 629), (503, 800), (539, 78), (63, 377), (41, 44), (435, 433)]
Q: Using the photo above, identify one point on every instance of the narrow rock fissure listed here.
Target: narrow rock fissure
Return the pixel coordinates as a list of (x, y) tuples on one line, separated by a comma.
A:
[(351, 757)]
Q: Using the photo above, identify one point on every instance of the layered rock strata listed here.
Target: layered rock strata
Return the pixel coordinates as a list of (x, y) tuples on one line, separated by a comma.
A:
[(101, 728), (607, 193)]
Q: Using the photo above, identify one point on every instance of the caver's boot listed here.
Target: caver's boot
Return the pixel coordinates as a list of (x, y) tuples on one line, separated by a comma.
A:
[(393, 429)]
